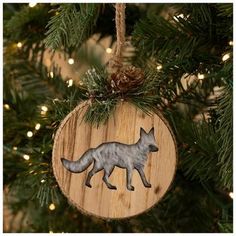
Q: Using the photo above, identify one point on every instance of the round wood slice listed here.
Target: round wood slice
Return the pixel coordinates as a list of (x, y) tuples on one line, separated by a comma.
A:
[(75, 136)]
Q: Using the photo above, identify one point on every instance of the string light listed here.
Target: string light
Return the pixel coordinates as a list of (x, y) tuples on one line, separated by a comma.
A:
[(43, 180), (44, 108), (26, 157), (200, 76), (19, 45), (71, 61), (159, 67), (37, 126), (181, 15), (108, 50), (70, 83), (6, 106), (231, 43), (51, 74), (231, 194), (52, 207), (14, 148), (226, 57), (30, 134), (32, 4)]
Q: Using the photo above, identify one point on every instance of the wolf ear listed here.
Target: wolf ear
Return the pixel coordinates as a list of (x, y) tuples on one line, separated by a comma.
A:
[(142, 131), (151, 131)]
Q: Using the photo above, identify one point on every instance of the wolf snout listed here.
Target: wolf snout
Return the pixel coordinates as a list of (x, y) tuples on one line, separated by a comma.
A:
[(153, 148)]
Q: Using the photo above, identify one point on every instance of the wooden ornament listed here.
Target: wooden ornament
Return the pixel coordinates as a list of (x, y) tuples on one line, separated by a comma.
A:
[(75, 136)]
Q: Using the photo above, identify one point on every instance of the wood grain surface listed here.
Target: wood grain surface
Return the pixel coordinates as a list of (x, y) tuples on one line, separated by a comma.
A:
[(74, 137)]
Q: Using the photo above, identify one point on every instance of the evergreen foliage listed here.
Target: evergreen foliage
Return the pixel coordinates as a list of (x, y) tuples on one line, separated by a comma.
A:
[(71, 25), (225, 133), (190, 41), (25, 25)]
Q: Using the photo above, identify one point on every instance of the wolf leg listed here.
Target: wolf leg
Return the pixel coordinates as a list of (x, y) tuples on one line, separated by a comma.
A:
[(143, 177), (129, 179), (107, 173), (91, 173)]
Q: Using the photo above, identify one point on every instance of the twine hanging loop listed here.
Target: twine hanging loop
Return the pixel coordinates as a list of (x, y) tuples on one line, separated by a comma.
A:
[(122, 78), (116, 61)]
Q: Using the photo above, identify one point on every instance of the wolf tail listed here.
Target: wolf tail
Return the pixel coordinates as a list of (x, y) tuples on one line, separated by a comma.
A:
[(80, 165)]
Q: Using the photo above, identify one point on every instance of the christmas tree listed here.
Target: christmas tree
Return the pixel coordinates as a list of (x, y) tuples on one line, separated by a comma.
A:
[(56, 56)]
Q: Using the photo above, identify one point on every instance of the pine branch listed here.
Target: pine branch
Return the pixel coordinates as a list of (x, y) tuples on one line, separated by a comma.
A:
[(199, 158), (103, 98), (71, 25), (28, 24), (183, 42), (225, 132), (225, 9)]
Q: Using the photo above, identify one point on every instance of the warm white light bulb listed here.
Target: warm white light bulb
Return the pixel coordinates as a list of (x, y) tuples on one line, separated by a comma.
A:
[(37, 126), (71, 61), (181, 15), (44, 108), (159, 67), (108, 50), (231, 194), (19, 45), (32, 4), (226, 57), (43, 180), (70, 83), (52, 207), (30, 134), (14, 148), (6, 106), (51, 74), (26, 157), (200, 76), (231, 43)]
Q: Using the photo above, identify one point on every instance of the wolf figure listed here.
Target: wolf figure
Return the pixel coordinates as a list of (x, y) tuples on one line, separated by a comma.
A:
[(108, 155)]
